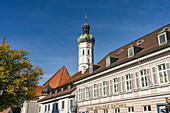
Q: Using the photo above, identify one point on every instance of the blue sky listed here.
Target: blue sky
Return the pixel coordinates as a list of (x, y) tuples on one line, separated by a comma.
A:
[(49, 29)]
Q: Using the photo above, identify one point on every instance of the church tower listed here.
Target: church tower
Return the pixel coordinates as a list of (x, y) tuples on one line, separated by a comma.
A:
[(86, 44)]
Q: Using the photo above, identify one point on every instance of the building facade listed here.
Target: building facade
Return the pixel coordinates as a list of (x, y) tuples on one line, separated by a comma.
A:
[(132, 79)]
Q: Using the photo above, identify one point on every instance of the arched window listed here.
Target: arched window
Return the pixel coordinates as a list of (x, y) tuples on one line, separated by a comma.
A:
[(88, 52), (88, 60), (83, 52)]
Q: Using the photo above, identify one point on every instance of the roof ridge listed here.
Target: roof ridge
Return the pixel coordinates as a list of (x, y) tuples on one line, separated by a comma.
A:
[(53, 75), (61, 74)]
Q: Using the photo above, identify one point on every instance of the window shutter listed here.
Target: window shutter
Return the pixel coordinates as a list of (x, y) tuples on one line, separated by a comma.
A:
[(83, 94), (118, 80), (76, 94), (97, 89), (90, 92), (131, 76), (168, 71), (148, 77), (107, 87), (100, 89), (137, 81), (123, 83), (111, 86), (155, 77)]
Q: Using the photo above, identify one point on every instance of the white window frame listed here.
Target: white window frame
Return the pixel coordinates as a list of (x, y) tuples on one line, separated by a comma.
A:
[(39, 108), (129, 81), (147, 106), (130, 109), (104, 93), (145, 77), (95, 90), (107, 61), (164, 33), (87, 91), (132, 51), (115, 85), (157, 70)]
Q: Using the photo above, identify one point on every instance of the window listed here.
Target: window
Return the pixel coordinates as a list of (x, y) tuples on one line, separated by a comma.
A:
[(115, 85), (45, 108), (56, 106), (95, 111), (51, 93), (162, 73), (139, 42), (117, 110), (69, 87), (130, 109), (48, 107), (83, 52), (62, 104), (39, 108), (88, 52), (143, 78), (87, 111), (128, 82), (80, 94), (95, 90), (87, 92), (56, 91), (105, 111), (62, 89), (53, 106), (146, 109), (88, 60), (162, 38), (104, 88), (71, 103), (107, 61), (91, 69), (130, 52)]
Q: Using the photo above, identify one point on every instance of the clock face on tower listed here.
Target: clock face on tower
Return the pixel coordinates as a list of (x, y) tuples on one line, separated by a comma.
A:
[(88, 44)]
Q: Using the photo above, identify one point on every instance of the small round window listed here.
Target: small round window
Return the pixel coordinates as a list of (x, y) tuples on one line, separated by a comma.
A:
[(119, 51), (139, 42)]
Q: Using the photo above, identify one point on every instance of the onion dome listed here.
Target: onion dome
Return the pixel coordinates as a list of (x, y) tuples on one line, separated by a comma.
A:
[(46, 90), (86, 37)]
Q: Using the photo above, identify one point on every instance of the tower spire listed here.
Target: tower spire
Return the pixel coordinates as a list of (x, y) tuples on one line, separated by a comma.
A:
[(85, 17)]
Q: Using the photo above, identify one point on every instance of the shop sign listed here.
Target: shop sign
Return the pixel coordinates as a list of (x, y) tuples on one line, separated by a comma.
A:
[(106, 107)]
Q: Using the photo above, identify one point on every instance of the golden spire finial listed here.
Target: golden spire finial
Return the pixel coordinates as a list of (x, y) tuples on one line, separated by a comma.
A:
[(85, 17)]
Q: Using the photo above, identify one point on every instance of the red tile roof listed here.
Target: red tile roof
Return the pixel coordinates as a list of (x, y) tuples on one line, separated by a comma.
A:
[(5, 110), (58, 78)]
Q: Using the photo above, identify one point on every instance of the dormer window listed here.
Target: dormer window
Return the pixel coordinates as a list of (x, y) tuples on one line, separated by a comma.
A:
[(110, 60), (51, 93), (130, 52), (69, 87), (56, 91), (164, 36), (93, 67), (62, 89)]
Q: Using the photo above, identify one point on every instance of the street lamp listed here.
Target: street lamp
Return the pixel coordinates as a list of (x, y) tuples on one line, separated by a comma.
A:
[(1, 90)]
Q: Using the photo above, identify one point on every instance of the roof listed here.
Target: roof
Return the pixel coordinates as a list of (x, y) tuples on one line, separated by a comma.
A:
[(148, 45), (58, 94), (58, 78)]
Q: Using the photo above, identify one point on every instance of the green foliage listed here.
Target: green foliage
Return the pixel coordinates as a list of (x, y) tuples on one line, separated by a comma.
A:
[(18, 77)]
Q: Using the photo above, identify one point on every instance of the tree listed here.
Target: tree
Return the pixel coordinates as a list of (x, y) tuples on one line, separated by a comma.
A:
[(18, 77)]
